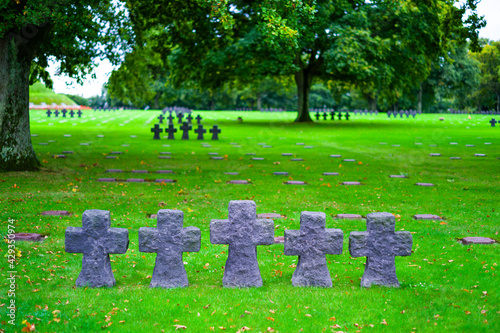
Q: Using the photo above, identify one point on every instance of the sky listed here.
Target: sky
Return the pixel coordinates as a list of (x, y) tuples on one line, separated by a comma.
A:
[(92, 87)]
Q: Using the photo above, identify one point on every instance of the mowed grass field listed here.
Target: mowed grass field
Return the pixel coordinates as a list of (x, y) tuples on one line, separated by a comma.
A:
[(445, 286)]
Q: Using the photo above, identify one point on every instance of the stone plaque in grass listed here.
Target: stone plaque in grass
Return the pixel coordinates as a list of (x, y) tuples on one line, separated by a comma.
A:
[(349, 160), (267, 146), (56, 213), (206, 146), (308, 147), (100, 136), (232, 173), (135, 180), (269, 216), (250, 154), (213, 153), (286, 154), (261, 143), (434, 154), (280, 173), (300, 143), (164, 171), (116, 153), (397, 176), (433, 145), (396, 145), (427, 217), (238, 181), (418, 143), (164, 157), (51, 141), (217, 158), (58, 156), (114, 170), (336, 156), (296, 159), (453, 143), (165, 153), (469, 145), (139, 171), (424, 184), (34, 135), (28, 237), (257, 158), (166, 180), (106, 180), (487, 143), (477, 240), (68, 152), (233, 143), (43, 144), (295, 182), (330, 173), (455, 158), (349, 216), (382, 143), (111, 157), (133, 136), (480, 155), (125, 145), (67, 135), (351, 183)]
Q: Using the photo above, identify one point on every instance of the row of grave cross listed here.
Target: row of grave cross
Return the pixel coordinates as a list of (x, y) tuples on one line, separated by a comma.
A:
[(179, 116), (185, 128), (493, 122), (401, 113), (243, 232), (63, 112), (332, 115)]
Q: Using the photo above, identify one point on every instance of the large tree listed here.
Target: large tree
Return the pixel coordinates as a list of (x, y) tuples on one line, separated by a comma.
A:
[(389, 43), (489, 63), (32, 31)]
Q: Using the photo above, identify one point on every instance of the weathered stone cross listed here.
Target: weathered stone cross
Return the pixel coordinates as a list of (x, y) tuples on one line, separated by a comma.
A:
[(200, 132), (189, 118), (64, 111), (179, 117), (340, 115), (157, 130), (198, 119), (380, 244), (215, 132), (72, 113), (56, 113), (311, 243), (160, 118), (79, 113), (332, 115), (170, 119), (169, 240), (317, 115), (243, 232), (96, 240), (170, 130), (185, 128), (325, 115), (49, 113), (493, 122)]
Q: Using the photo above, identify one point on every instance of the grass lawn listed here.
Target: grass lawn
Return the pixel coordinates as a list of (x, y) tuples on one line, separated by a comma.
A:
[(39, 93), (444, 285)]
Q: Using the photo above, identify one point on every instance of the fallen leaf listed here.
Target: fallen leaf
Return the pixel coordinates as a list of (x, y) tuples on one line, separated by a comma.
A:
[(182, 327)]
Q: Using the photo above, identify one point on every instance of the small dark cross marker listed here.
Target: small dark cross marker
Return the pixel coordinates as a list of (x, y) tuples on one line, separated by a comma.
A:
[(170, 130), (215, 132), (64, 111), (200, 131), (96, 240), (198, 119), (169, 240), (79, 113), (340, 115), (311, 243), (157, 130), (170, 119), (380, 244), (325, 116), (347, 115), (179, 117), (493, 122), (49, 113), (56, 113), (332, 115), (389, 113), (189, 118), (160, 119), (185, 128), (72, 113), (317, 115), (242, 231)]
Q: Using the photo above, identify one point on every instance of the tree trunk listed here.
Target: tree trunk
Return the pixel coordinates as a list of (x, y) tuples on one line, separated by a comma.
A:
[(259, 101), (157, 101), (303, 79), (419, 107), (498, 102), (16, 150)]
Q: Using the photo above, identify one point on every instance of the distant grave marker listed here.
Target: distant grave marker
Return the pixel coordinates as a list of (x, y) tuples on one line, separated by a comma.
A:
[(295, 182), (215, 132), (56, 213), (171, 130), (330, 173), (156, 130), (351, 183), (200, 131), (427, 217), (280, 173), (160, 118), (477, 240), (349, 216)]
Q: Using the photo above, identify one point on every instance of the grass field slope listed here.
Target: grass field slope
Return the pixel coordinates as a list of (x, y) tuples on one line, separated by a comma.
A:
[(41, 94)]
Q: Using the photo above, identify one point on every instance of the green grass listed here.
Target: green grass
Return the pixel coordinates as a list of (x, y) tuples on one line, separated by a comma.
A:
[(444, 285), (40, 94)]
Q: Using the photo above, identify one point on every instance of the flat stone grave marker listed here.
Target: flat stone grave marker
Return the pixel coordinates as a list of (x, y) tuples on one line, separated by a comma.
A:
[(135, 180), (396, 145), (418, 143), (231, 173), (300, 143), (59, 156), (296, 159), (434, 154), (67, 135), (397, 176), (238, 181), (116, 152), (165, 180), (295, 182), (34, 135), (336, 156), (100, 136), (261, 143), (114, 170), (267, 146), (51, 141), (424, 184), (165, 145), (427, 217), (269, 216), (382, 143), (84, 144), (56, 213), (349, 160), (257, 158), (453, 143), (469, 145), (111, 157), (213, 153), (96, 240), (280, 173), (106, 180), (308, 147), (330, 173), (477, 240), (43, 144), (351, 183), (432, 145), (217, 158), (455, 158), (165, 153), (311, 243), (169, 240), (349, 216), (125, 145), (380, 244), (480, 155), (286, 154), (28, 237), (243, 232), (487, 143), (68, 152), (250, 154), (133, 136), (140, 171), (165, 171)]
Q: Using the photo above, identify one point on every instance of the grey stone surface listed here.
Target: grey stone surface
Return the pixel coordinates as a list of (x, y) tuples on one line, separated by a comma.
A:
[(480, 155), (427, 217), (380, 244), (165, 171), (455, 158), (477, 240), (169, 240), (280, 173), (135, 180), (286, 154), (311, 243), (96, 240), (56, 213), (424, 184), (231, 173), (257, 158), (295, 182), (336, 156), (114, 170), (349, 216), (330, 173), (139, 171), (106, 179), (217, 158), (434, 154), (397, 176), (28, 237), (296, 159), (349, 160), (112, 157), (238, 181), (242, 231), (351, 183)]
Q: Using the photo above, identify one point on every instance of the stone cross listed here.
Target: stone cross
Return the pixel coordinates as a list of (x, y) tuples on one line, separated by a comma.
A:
[(170, 130), (160, 119), (347, 115), (157, 130), (179, 117), (49, 113), (189, 118), (170, 119), (332, 115), (79, 113), (64, 111), (96, 240), (311, 243), (72, 113), (325, 115), (198, 119), (56, 113), (400, 113), (185, 128), (389, 113), (242, 231), (340, 115), (215, 132), (200, 132), (380, 244), (169, 240), (317, 115), (493, 122)]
